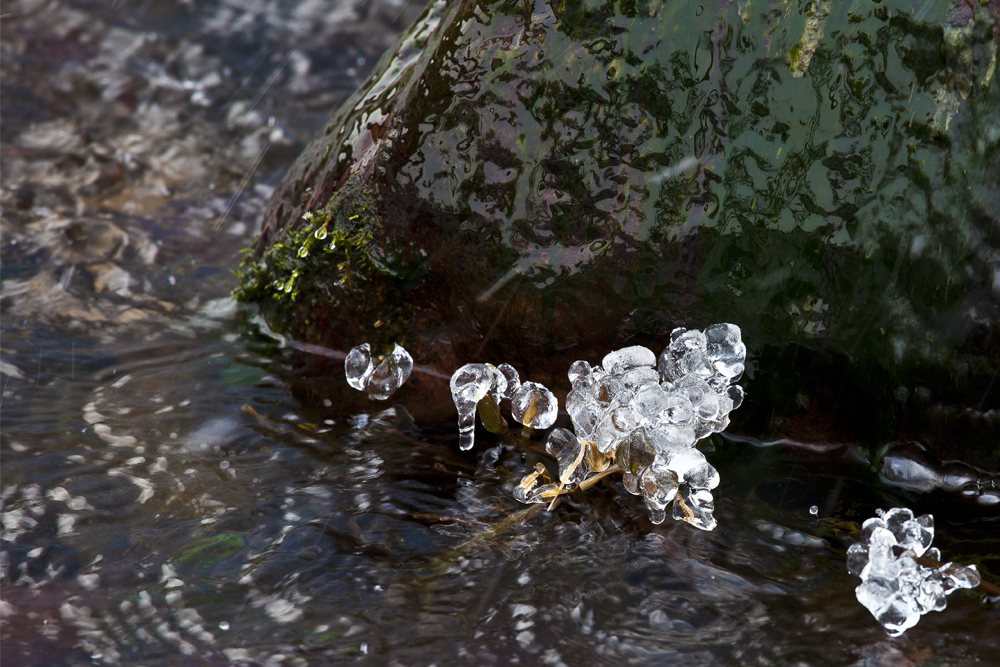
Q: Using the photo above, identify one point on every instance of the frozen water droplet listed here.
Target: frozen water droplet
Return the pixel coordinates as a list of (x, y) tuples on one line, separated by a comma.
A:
[(358, 366), (390, 374), (726, 349), (513, 380), (535, 406), (469, 384), (814, 510), (696, 507), (569, 452), (621, 360), (581, 374)]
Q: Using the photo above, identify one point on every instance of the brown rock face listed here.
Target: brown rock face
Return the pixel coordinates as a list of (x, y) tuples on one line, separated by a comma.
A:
[(538, 184)]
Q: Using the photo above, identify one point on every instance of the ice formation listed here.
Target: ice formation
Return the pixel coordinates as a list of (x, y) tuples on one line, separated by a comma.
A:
[(379, 381), (902, 576), (646, 415), (471, 383)]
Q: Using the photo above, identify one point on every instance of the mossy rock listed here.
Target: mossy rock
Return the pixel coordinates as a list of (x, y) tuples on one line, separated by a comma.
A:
[(540, 182)]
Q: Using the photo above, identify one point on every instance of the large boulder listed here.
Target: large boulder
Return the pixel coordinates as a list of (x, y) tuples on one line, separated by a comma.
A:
[(541, 182)]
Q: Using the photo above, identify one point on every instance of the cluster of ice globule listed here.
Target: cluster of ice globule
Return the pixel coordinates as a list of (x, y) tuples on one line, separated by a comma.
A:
[(895, 587), (382, 380), (530, 402), (648, 414)]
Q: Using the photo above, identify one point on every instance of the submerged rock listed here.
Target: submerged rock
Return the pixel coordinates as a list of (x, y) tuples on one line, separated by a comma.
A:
[(542, 183)]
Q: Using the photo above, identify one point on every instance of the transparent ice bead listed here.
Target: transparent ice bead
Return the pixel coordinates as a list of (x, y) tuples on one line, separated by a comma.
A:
[(639, 377), (581, 374), (726, 350), (693, 469), (658, 486), (857, 558), (635, 453), (570, 453), (358, 366), (513, 379), (669, 438), (585, 414), (649, 402), (469, 384), (534, 406), (390, 374), (619, 361), (677, 410), (685, 352), (696, 507)]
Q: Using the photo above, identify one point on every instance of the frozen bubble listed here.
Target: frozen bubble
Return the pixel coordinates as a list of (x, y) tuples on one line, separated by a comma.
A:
[(621, 360), (513, 380), (535, 406), (390, 374), (358, 366), (569, 452), (726, 349)]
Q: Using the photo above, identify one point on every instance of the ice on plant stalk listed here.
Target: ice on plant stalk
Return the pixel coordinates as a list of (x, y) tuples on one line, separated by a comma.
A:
[(358, 366), (390, 374), (648, 413), (469, 385), (535, 406), (902, 576), (379, 381)]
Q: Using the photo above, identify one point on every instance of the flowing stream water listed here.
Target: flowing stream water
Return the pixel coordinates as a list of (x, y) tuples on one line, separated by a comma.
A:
[(182, 487)]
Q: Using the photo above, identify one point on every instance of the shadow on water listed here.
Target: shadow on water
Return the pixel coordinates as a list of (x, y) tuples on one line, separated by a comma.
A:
[(179, 487)]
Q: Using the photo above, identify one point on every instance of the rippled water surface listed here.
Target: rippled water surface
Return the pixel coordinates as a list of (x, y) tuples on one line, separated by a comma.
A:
[(181, 487)]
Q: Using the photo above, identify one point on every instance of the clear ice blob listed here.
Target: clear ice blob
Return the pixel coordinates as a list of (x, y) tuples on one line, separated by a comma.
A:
[(696, 507), (513, 380), (534, 406), (358, 366), (726, 350), (570, 454), (469, 385), (581, 374), (619, 361), (390, 374)]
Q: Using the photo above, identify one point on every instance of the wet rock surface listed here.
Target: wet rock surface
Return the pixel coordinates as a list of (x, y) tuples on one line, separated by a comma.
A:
[(541, 185)]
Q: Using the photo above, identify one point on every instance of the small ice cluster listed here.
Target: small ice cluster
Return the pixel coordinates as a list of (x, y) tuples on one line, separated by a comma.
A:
[(649, 413), (902, 575), (379, 381), (530, 402)]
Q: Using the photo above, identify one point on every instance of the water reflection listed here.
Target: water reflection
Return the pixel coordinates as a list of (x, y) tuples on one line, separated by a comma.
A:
[(180, 488)]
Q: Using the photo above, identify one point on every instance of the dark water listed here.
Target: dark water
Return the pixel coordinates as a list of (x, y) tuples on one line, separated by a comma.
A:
[(181, 488)]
